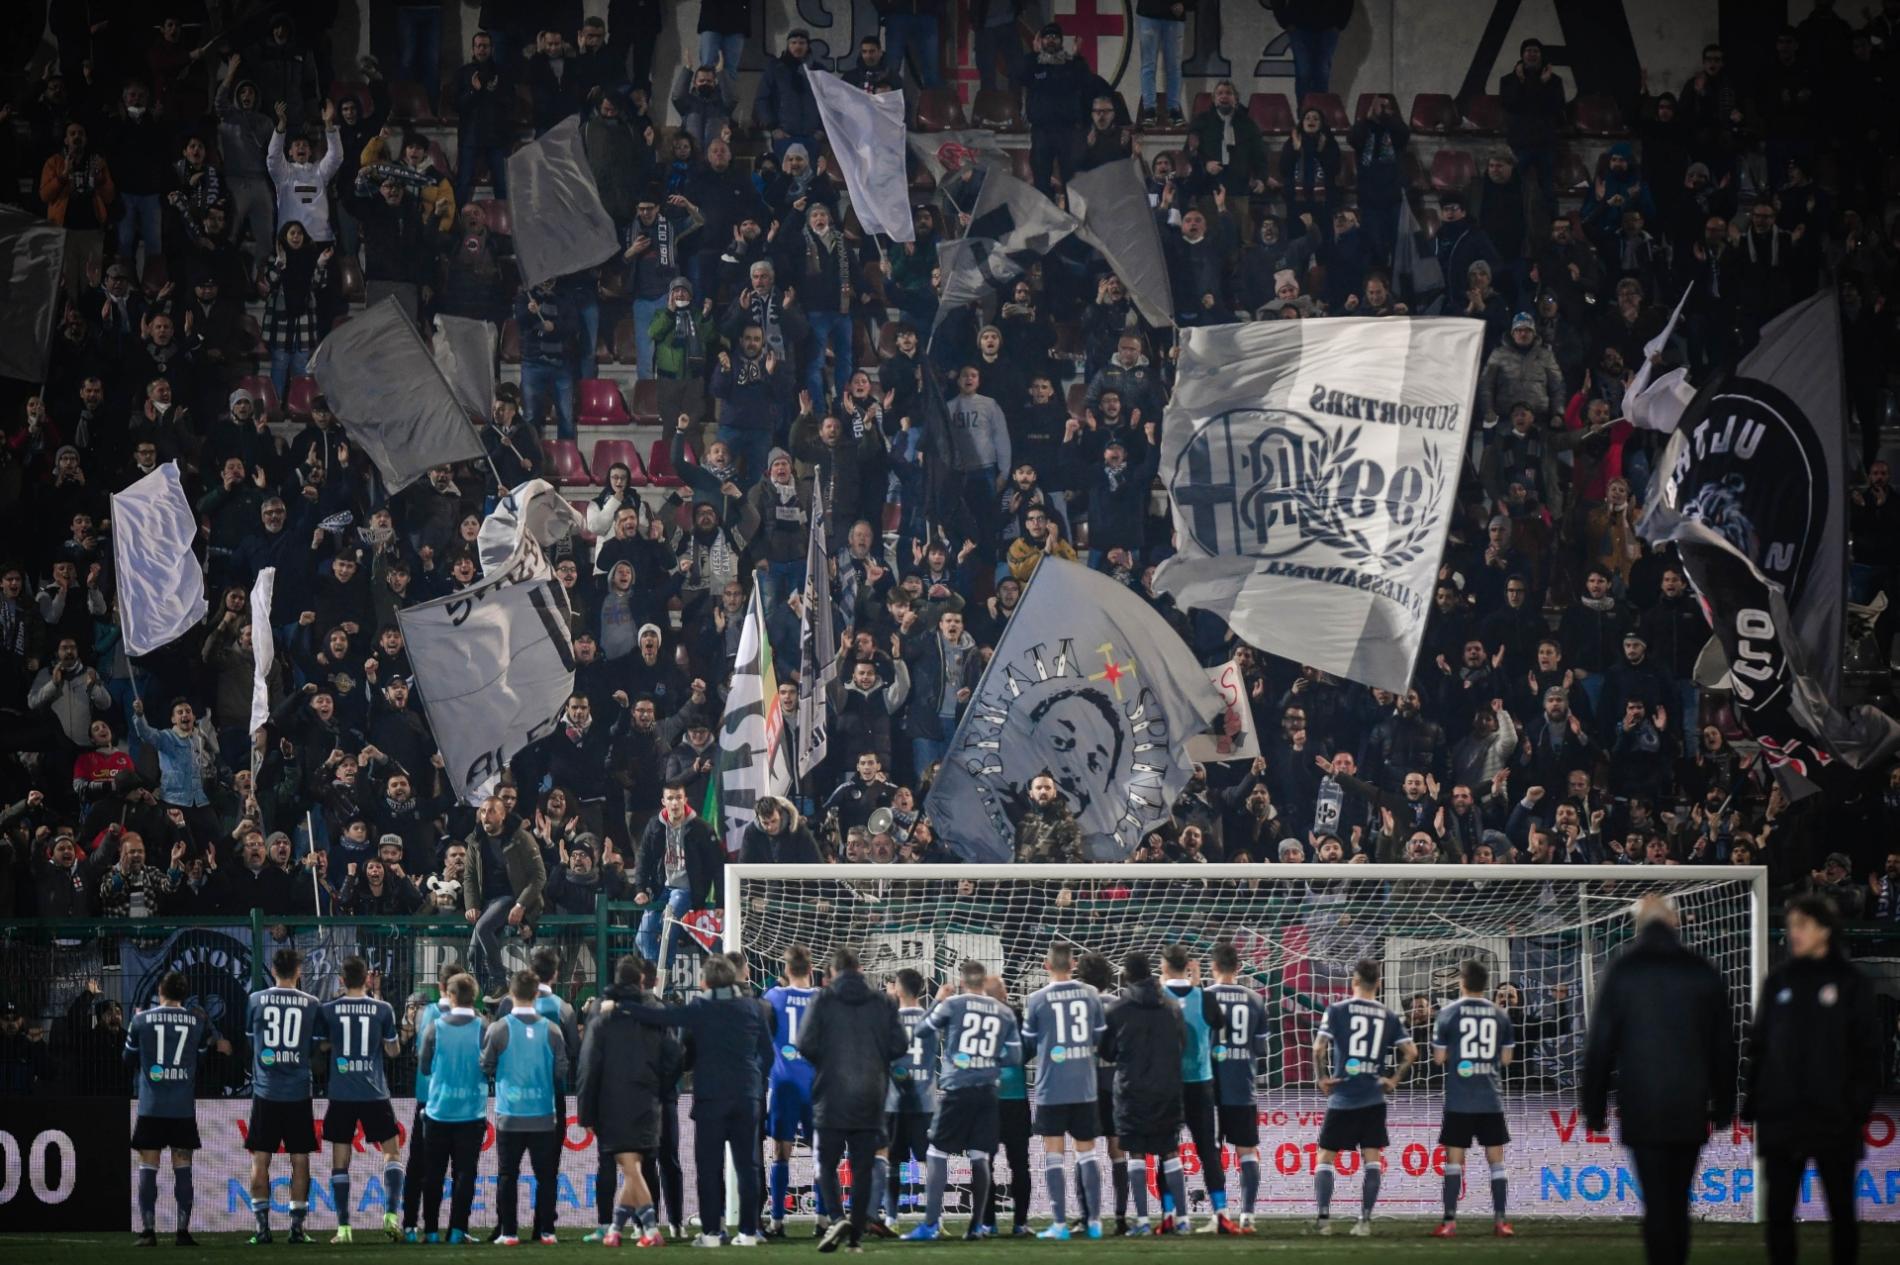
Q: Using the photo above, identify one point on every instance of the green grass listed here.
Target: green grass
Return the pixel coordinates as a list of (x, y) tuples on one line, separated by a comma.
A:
[(1548, 1243)]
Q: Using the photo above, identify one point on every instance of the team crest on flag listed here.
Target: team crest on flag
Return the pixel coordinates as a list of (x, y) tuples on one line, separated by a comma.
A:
[(1274, 483)]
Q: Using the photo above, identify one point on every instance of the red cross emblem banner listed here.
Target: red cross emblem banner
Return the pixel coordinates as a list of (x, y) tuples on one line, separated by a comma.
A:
[(1091, 685)]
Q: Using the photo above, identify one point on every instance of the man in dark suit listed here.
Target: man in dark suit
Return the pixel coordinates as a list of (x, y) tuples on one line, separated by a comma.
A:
[(1662, 1031)]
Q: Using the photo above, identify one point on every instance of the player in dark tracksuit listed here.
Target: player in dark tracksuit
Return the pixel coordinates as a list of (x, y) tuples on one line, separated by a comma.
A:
[(732, 1048), (912, 1098), (1145, 1040), (624, 1068), (1356, 1040), (162, 1046), (1240, 1040), (1473, 1040), (1182, 981)]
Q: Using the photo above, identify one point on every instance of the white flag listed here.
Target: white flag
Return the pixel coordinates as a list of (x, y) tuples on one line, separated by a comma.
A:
[(753, 757), (1233, 737), (867, 138), (161, 586), (817, 645), (1659, 404), (1313, 471), (263, 646), (495, 664), (464, 350), (535, 509)]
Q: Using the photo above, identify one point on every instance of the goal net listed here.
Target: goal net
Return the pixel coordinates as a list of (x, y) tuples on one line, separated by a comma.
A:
[(1545, 932)]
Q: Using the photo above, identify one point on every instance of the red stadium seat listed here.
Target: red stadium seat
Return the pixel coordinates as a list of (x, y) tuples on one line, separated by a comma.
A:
[(1203, 102), (608, 451), (564, 460), (1078, 398), (938, 110), (500, 218), (1434, 114), (893, 517), (253, 334), (1268, 110), (510, 342), (299, 391), (1572, 175), (999, 110), (1330, 108), (350, 278), (411, 101), (1485, 113), (645, 404), (1453, 170), (264, 391), (1596, 116), (601, 405), (660, 471)]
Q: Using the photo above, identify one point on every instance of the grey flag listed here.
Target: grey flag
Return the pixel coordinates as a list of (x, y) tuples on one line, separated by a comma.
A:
[(398, 408), (817, 643), (465, 353), (1757, 458), (1092, 686), (1111, 202), (1017, 216), (1415, 269), (560, 224), (35, 254)]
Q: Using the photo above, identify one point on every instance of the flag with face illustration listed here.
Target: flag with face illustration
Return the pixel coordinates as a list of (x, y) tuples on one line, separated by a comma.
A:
[(1091, 685)]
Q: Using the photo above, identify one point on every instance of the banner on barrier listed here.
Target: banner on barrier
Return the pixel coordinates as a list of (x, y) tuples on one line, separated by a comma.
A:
[(1558, 1168), (63, 1160)]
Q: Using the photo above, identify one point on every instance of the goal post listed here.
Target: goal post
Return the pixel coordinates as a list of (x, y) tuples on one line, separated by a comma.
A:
[(1546, 932)]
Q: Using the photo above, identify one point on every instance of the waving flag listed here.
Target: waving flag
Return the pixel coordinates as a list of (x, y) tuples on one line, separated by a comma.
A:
[(817, 644), (1313, 471), (560, 224), (754, 761), (161, 586), (1090, 685), (866, 130)]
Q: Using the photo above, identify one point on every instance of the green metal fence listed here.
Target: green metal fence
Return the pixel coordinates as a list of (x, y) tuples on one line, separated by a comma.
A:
[(77, 981)]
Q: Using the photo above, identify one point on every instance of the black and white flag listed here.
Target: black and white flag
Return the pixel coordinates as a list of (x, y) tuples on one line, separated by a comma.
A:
[(817, 644), (1313, 472), (495, 664), (1751, 490), (1090, 685)]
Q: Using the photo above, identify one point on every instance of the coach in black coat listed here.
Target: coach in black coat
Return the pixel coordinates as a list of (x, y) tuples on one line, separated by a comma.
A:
[(851, 1037), (1812, 1070), (1662, 1031), (1145, 1040), (625, 1068)]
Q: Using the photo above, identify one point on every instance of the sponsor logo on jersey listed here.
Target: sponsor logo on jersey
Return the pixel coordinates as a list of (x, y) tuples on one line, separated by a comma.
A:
[(267, 1056), (1467, 1068), (962, 1060), (1356, 1066)]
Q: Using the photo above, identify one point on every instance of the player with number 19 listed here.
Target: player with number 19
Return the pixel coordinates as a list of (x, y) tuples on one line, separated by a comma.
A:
[(788, 1110), (285, 1023), (1472, 1040), (162, 1046), (1355, 1042), (360, 1034), (1242, 1038), (1063, 1022), (979, 1036)]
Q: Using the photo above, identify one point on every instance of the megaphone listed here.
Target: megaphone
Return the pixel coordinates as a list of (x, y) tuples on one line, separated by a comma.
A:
[(880, 822)]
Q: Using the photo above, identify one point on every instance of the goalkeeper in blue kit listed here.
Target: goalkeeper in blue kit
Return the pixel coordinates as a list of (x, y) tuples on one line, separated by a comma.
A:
[(1473, 1040), (162, 1046), (360, 1034)]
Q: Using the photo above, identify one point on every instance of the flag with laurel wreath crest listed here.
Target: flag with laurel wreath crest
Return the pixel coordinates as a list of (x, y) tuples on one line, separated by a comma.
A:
[(1312, 468)]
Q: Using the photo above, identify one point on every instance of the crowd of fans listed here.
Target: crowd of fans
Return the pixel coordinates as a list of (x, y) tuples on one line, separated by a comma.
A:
[(1554, 717)]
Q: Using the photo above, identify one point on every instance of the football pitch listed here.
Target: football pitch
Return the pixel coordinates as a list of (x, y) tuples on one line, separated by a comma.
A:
[(1548, 1243)]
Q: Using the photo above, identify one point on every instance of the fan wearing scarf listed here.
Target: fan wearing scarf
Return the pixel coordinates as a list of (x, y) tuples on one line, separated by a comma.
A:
[(755, 387), (783, 508), (823, 274)]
